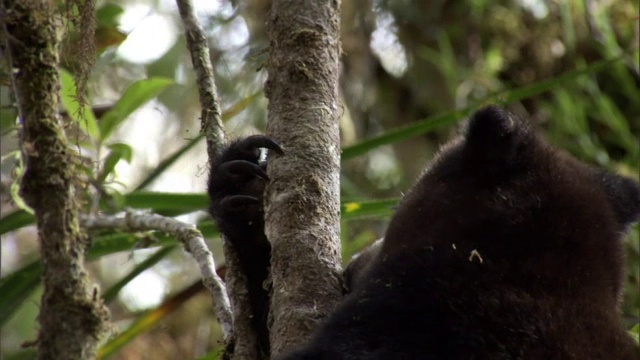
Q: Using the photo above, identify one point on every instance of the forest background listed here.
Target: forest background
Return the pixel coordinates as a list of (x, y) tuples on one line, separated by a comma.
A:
[(411, 71)]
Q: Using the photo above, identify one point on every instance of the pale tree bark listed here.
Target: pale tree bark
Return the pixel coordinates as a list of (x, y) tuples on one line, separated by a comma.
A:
[(73, 319), (303, 207), (211, 115), (190, 237), (242, 340)]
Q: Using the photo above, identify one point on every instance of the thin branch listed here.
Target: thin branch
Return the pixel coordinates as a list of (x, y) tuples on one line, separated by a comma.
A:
[(242, 343), (211, 119), (193, 242)]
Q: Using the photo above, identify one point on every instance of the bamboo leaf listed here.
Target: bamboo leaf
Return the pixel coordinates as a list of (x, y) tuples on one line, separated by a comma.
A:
[(84, 116), (16, 288), (434, 122), (118, 152), (168, 204), (635, 333), (148, 320), (146, 264), (16, 220), (228, 114), (405, 132), (372, 208), (164, 164), (136, 95)]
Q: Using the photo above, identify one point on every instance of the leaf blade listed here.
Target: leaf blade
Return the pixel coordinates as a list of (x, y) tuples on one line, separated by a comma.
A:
[(136, 95)]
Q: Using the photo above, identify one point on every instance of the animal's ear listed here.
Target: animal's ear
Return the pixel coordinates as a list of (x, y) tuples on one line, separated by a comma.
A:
[(495, 135), (624, 196)]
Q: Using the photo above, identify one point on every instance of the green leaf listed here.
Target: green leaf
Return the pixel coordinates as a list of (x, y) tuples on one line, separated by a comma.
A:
[(434, 122), (443, 58), (136, 95), (635, 333), (168, 162), (107, 31), (405, 132), (8, 117), (510, 96), (16, 220), (8, 110), (356, 244), (123, 149), (228, 114), (146, 264), (117, 241), (568, 27), (25, 354), (109, 14), (168, 204), (148, 320), (178, 204), (84, 117), (215, 354), (16, 288), (117, 200), (377, 208), (23, 282), (118, 152), (616, 121)]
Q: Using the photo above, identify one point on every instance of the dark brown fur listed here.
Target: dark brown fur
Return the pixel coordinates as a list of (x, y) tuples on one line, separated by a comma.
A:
[(506, 248)]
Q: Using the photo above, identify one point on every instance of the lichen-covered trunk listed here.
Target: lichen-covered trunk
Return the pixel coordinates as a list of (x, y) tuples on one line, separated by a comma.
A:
[(303, 206), (72, 317)]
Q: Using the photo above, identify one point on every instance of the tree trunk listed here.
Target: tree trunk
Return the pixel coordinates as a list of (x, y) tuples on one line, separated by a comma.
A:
[(303, 207), (72, 317)]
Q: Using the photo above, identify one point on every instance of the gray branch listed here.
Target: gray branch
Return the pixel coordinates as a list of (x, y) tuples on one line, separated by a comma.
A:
[(191, 239), (211, 119), (243, 340)]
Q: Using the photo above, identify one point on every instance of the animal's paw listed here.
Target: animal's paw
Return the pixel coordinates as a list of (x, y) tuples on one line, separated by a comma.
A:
[(236, 184)]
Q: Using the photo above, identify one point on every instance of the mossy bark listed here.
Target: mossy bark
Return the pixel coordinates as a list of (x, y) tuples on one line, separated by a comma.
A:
[(72, 317), (303, 197)]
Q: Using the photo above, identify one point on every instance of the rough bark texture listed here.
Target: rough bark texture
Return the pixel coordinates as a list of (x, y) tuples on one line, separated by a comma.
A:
[(211, 119), (193, 242), (72, 317), (242, 340), (303, 206)]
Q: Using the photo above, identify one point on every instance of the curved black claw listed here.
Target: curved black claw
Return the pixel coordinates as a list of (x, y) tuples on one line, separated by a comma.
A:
[(238, 168), (237, 179), (238, 202), (250, 143)]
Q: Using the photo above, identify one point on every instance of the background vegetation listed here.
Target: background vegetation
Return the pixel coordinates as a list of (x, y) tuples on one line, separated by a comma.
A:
[(411, 72)]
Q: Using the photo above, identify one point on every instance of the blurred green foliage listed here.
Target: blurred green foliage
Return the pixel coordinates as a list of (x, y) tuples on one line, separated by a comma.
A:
[(411, 72)]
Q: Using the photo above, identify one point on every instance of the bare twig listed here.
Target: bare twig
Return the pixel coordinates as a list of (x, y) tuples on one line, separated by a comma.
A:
[(211, 120), (193, 242), (243, 342)]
